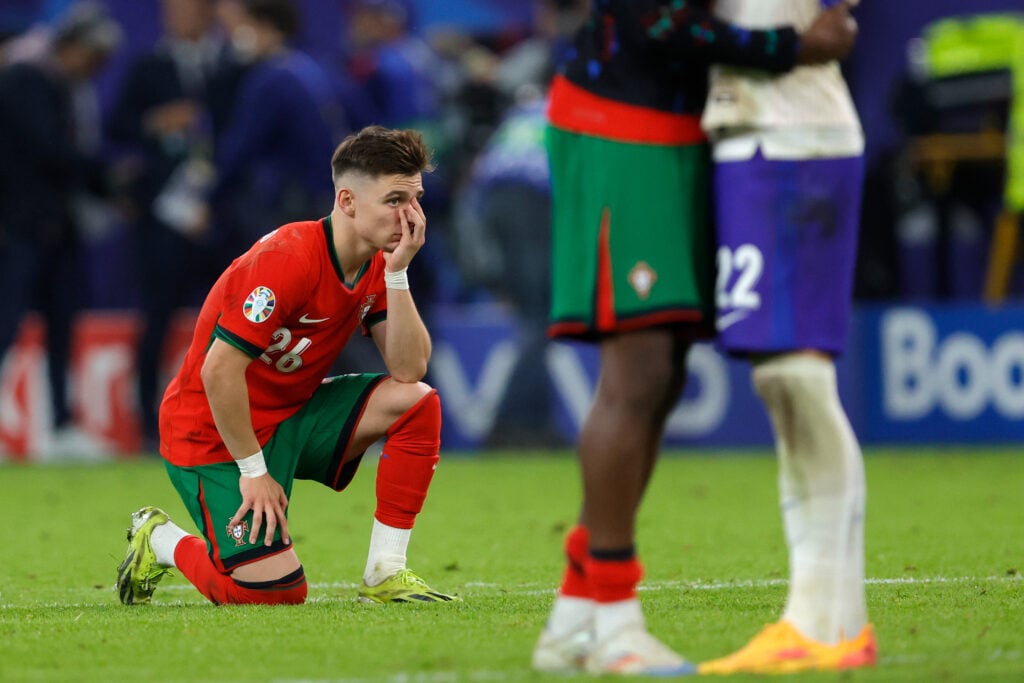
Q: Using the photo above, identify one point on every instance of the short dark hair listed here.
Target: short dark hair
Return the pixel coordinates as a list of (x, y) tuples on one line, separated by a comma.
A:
[(281, 14), (376, 151)]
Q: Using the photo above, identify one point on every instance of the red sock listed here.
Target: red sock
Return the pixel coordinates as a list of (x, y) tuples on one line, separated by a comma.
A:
[(191, 559), (613, 580), (574, 582), (408, 462)]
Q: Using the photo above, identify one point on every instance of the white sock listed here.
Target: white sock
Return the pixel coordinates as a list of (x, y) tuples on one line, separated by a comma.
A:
[(854, 612), (164, 540), (612, 617), (388, 546), (569, 614), (822, 492)]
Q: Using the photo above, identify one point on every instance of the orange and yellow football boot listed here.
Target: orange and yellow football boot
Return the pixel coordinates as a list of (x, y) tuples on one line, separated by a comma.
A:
[(779, 649)]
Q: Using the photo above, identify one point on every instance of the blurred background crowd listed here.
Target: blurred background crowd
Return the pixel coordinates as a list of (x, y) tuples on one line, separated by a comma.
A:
[(145, 143)]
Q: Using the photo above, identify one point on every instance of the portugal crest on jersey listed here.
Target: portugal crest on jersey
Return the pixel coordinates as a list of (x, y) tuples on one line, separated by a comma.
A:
[(259, 304), (367, 304), (239, 532), (642, 278)]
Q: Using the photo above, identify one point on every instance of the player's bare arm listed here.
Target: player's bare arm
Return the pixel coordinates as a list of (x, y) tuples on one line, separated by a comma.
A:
[(223, 377), (776, 49)]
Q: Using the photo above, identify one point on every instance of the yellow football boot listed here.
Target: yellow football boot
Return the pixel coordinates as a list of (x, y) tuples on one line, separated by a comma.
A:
[(779, 649)]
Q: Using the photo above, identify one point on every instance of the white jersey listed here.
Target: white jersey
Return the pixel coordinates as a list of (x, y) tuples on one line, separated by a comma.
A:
[(804, 114)]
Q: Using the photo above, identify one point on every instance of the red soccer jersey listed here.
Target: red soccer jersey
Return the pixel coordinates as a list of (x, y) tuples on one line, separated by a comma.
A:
[(285, 303)]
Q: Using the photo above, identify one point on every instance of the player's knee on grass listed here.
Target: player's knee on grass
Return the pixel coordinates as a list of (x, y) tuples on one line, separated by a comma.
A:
[(287, 590), (245, 586)]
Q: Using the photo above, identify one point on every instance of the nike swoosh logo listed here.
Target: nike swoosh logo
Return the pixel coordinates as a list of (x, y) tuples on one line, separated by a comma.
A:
[(730, 319), (307, 320)]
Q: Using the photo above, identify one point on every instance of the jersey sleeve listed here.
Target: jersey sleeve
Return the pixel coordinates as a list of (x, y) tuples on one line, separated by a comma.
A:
[(687, 29), (260, 296)]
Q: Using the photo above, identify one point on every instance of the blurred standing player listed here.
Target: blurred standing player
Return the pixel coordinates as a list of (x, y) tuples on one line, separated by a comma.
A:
[(632, 270), (250, 410), (793, 146)]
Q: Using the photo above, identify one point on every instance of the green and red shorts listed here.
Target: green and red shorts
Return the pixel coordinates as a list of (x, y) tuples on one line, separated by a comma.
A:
[(632, 245), (309, 445)]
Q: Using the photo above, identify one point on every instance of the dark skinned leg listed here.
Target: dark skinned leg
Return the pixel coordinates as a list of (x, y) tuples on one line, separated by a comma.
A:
[(642, 377)]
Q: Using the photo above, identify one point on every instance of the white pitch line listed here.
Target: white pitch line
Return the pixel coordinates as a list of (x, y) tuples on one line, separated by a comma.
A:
[(426, 677), (547, 589), (542, 588)]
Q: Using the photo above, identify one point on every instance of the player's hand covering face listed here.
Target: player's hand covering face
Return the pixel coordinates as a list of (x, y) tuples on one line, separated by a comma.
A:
[(388, 214)]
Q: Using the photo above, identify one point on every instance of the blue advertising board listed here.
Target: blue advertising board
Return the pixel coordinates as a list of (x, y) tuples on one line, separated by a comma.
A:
[(949, 374), (938, 374), (475, 351)]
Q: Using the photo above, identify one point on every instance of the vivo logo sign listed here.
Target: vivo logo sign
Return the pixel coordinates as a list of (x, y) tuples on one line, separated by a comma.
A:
[(959, 373), (471, 406)]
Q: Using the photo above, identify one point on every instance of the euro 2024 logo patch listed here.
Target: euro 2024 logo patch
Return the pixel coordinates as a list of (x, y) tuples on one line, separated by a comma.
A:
[(259, 304), (239, 532)]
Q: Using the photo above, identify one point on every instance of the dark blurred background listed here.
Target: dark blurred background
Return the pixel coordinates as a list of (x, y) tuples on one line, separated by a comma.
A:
[(469, 55), (168, 135)]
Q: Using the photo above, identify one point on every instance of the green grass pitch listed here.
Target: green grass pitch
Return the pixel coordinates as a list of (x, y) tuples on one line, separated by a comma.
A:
[(945, 552)]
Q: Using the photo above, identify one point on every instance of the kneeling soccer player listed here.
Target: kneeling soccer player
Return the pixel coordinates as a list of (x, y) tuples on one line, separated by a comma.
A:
[(250, 409)]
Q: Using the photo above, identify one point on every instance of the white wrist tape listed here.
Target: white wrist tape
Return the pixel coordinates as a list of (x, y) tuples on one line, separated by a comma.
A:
[(253, 466), (397, 280)]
